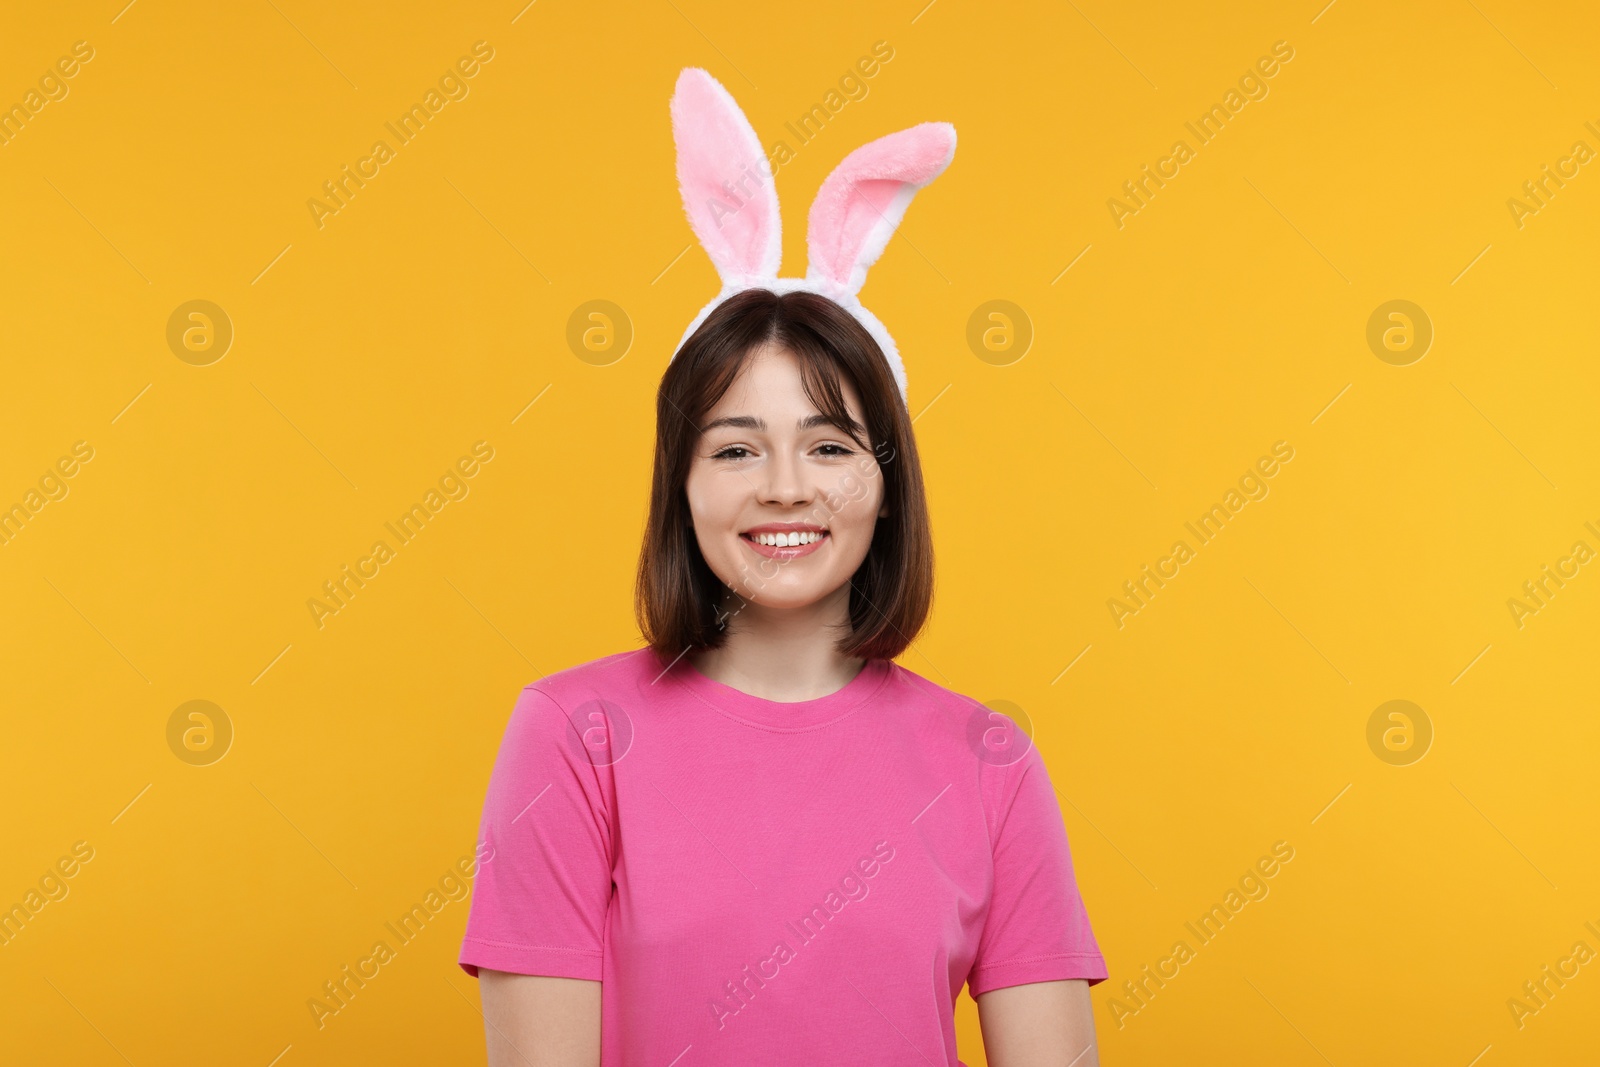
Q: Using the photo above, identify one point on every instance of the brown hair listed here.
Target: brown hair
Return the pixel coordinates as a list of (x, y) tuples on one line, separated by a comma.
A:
[(676, 597)]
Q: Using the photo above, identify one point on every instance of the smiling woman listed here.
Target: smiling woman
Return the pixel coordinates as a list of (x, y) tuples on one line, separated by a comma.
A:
[(760, 738), (658, 817)]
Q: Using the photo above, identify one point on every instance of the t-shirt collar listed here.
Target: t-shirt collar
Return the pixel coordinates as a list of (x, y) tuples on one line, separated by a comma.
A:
[(777, 714)]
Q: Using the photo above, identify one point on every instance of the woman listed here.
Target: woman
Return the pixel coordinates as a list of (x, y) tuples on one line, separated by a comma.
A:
[(758, 840)]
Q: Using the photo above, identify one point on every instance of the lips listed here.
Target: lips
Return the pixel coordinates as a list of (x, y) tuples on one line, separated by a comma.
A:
[(781, 531)]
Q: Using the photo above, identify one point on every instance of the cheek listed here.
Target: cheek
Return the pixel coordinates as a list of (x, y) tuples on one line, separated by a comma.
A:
[(715, 506), (708, 500), (855, 499)]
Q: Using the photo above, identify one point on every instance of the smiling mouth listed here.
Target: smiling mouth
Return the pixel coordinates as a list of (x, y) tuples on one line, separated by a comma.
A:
[(785, 545), (791, 539)]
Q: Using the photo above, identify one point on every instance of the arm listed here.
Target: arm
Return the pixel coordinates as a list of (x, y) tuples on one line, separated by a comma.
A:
[(535, 934), (534, 1021), (1041, 1024)]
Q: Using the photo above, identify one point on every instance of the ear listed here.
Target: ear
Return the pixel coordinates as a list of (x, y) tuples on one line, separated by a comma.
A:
[(862, 201), (725, 179)]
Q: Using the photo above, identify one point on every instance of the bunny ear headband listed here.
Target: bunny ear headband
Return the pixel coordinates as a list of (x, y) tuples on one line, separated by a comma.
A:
[(732, 203)]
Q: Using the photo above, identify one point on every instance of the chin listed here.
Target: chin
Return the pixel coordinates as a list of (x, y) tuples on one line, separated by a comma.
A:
[(787, 598), (785, 601)]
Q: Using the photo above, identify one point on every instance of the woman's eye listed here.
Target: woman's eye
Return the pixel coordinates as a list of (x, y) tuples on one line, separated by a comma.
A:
[(838, 450), (729, 452)]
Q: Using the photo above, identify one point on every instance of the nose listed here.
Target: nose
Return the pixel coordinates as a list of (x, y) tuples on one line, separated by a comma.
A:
[(784, 480)]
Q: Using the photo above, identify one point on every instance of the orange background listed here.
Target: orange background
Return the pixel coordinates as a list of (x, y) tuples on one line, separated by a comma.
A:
[(431, 312)]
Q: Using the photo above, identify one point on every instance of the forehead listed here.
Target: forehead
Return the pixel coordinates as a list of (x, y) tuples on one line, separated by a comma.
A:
[(769, 383)]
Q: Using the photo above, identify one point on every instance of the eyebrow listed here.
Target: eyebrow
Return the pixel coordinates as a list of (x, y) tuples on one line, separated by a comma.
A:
[(752, 422)]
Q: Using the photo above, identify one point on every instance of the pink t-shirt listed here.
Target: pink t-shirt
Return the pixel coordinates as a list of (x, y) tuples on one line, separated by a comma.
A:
[(757, 882)]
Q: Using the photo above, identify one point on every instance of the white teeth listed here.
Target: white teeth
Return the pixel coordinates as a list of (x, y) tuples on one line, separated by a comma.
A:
[(789, 540)]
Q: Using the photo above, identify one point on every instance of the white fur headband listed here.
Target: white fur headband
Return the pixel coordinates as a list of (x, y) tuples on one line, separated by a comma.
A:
[(732, 203)]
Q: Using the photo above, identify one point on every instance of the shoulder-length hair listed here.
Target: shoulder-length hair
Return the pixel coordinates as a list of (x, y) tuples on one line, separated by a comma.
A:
[(676, 597)]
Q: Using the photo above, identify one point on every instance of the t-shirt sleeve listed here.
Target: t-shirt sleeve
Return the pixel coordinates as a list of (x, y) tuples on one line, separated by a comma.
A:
[(543, 883), (1037, 929)]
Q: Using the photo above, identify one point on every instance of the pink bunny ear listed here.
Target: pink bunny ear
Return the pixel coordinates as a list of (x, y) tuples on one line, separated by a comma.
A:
[(725, 180), (863, 200)]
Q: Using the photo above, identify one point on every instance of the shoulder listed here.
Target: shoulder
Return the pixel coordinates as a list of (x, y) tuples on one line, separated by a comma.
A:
[(610, 677), (928, 689), (995, 736), (951, 708), (576, 716)]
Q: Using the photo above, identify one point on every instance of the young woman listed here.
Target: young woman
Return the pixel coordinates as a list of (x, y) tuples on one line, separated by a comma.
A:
[(759, 840)]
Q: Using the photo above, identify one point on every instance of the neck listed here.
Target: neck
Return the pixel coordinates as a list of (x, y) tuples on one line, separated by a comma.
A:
[(783, 654)]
